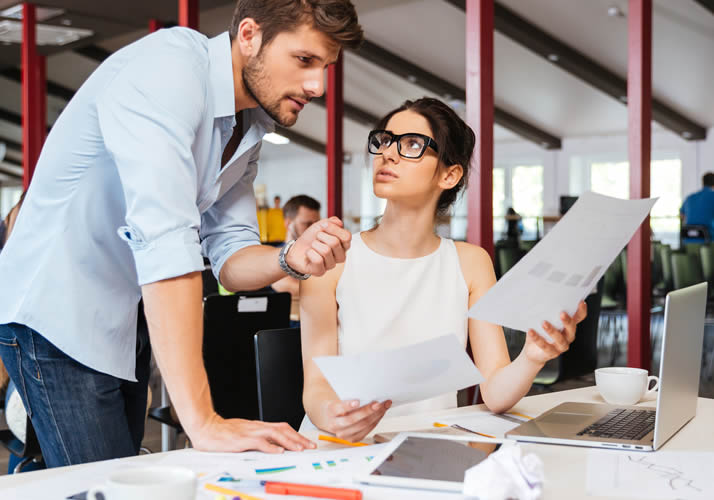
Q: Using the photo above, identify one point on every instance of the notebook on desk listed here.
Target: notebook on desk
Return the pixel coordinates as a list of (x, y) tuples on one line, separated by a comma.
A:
[(633, 427)]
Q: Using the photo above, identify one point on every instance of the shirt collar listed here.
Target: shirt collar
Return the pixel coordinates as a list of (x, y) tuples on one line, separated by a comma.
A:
[(221, 78), (221, 75)]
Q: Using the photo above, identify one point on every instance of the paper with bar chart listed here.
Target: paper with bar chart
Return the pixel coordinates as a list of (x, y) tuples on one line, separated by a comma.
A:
[(565, 266)]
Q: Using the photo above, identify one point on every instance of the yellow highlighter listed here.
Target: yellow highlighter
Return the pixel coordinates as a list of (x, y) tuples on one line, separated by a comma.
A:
[(332, 439), (228, 491), (456, 426)]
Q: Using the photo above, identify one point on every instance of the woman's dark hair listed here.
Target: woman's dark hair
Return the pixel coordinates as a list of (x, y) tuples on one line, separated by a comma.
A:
[(454, 137)]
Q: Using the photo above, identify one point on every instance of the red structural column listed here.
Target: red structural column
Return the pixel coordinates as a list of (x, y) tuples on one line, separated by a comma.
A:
[(155, 25), (639, 108), (188, 13), (34, 95), (335, 115), (479, 115)]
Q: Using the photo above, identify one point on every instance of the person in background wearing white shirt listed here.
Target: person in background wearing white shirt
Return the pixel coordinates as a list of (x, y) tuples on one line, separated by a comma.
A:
[(402, 284)]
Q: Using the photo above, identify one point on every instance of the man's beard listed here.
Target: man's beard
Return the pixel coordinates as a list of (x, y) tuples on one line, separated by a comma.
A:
[(256, 83)]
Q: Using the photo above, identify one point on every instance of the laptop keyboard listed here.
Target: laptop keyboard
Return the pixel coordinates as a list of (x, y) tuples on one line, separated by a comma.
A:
[(622, 424)]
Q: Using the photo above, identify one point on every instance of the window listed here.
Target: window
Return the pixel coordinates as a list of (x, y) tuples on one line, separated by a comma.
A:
[(666, 184), (519, 186), (612, 178)]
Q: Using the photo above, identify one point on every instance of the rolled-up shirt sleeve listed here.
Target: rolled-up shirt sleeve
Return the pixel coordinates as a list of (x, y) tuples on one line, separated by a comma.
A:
[(232, 223), (148, 116)]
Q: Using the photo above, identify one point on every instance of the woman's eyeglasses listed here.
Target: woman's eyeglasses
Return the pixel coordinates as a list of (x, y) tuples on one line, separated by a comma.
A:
[(408, 145)]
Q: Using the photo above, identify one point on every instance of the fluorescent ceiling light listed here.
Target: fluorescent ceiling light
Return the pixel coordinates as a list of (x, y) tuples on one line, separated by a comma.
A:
[(42, 14), (274, 138), (11, 32)]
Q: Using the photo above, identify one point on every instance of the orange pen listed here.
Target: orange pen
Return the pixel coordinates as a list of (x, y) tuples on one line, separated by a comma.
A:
[(310, 490)]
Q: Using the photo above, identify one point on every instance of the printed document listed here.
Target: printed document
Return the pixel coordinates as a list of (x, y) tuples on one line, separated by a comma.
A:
[(413, 373), (565, 266)]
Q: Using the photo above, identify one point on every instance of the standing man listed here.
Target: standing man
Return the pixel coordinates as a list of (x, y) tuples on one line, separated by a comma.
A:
[(145, 171), (698, 208)]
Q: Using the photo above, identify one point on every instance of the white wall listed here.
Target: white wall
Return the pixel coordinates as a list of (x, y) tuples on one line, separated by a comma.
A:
[(696, 157), (291, 170)]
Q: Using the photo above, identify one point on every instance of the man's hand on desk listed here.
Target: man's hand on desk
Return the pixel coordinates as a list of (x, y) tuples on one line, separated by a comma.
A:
[(320, 247), (538, 350), (347, 420), (233, 435)]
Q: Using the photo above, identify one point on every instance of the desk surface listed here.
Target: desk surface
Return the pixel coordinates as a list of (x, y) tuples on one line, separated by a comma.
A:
[(565, 466)]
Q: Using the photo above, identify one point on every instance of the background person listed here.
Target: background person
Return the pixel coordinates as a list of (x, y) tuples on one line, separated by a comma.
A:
[(698, 208), (402, 284), (299, 213)]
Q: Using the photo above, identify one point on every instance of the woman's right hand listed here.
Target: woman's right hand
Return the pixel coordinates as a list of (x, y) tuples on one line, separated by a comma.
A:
[(348, 420)]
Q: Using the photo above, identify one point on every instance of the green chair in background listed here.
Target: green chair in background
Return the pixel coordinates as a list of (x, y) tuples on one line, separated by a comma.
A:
[(686, 270), (612, 286), (667, 278), (706, 254), (508, 257), (658, 283), (527, 245)]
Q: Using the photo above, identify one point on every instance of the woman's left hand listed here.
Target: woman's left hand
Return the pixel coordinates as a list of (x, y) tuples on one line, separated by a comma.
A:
[(538, 350)]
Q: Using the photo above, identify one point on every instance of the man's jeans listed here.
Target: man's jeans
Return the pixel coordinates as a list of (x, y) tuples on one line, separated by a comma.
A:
[(79, 415)]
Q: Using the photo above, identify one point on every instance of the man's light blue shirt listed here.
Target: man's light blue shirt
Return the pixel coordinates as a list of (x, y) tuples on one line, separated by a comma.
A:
[(129, 190)]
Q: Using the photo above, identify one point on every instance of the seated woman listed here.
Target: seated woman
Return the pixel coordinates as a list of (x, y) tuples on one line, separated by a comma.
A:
[(402, 284)]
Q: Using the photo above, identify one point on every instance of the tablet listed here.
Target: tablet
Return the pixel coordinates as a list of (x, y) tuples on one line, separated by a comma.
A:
[(428, 461)]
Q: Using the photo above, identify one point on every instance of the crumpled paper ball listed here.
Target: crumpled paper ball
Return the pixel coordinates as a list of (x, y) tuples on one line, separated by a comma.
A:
[(506, 474)]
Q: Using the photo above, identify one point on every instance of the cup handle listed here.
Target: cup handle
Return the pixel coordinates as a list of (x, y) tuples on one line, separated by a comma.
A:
[(94, 491), (654, 387)]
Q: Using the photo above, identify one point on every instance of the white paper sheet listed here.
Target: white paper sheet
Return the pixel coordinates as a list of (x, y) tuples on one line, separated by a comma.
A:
[(413, 373), (659, 475), (563, 268), (485, 422)]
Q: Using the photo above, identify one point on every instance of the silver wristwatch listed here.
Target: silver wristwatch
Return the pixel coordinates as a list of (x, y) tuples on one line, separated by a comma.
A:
[(284, 265)]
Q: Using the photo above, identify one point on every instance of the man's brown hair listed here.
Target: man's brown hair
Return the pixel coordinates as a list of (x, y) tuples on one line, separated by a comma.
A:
[(292, 206), (335, 18)]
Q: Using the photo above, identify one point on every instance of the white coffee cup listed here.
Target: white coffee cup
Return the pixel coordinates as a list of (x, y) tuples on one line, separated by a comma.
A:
[(619, 385), (155, 483)]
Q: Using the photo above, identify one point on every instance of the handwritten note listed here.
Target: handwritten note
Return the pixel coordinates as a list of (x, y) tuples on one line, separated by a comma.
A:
[(660, 475)]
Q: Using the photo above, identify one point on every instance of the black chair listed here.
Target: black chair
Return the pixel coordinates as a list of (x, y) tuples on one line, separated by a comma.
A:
[(693, 232), (229, 323), (29, 451), (210, 284), (278, 361), (581, 358)]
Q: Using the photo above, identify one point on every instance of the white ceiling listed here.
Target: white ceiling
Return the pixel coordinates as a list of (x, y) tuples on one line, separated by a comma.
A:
[(430, 33)]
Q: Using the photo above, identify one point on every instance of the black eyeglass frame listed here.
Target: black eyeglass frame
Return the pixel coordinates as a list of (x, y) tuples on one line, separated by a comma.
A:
[(428, 142)]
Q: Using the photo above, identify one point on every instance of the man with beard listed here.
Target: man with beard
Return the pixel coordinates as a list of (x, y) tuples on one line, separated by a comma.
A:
[(145, 171)]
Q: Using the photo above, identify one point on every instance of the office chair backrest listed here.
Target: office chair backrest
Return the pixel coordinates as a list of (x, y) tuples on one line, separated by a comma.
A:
[(581, 358), (695, 232), (706, 254), (278, 359), (667, 276), (229, 323), (686, 270), (508, 257)]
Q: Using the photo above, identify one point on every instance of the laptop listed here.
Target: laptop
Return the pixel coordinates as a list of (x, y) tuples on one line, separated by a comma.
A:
[(634, 427)]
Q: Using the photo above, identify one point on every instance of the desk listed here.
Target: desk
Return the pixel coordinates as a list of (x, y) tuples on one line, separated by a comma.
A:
[(565, 466)]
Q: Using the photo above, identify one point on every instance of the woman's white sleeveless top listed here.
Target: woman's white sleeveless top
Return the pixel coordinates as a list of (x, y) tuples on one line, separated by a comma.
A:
[(385, 303)]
